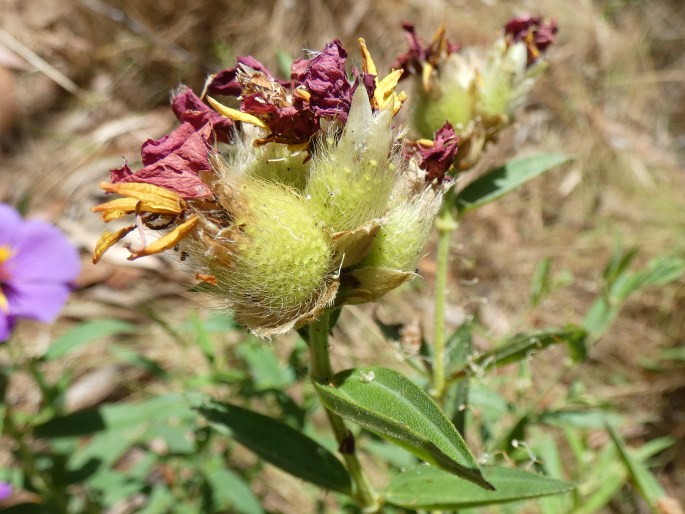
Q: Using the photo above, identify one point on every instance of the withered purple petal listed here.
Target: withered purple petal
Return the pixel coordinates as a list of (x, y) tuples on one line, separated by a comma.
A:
[(326, 80), (419, 53), (298, 67), (187, 106), (438, 159), (410, 62), (174, 161), (534, 31)]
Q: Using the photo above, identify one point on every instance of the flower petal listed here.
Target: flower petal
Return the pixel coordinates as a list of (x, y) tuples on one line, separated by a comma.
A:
[(187, 106), (168, 241), (109, 239), (10, 228), (326, 79), (43, 254), (438, 155), (6, 324), (174, 162), (36, 300)]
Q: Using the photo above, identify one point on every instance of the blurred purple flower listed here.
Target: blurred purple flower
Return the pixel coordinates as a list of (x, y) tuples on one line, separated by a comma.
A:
[(5, 490), (37, 266)]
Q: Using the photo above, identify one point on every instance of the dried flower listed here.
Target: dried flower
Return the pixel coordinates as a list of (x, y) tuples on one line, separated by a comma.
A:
[(475, 90), (37, 267), (297, 216)]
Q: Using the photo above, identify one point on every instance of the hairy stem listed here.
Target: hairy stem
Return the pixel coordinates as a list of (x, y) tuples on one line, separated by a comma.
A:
[(446, 224), (321, 371)]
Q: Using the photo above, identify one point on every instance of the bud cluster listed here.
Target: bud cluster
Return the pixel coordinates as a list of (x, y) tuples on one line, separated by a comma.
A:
[(477, 89), (290, 196)]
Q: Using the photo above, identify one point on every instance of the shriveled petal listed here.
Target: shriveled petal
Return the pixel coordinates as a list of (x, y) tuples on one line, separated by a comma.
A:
[(188, 107), (326, 79), (226, 81), (168, 241), (152, 198), (438, 155), (174, 162), (535, 32), (109, 239), (419, 55)]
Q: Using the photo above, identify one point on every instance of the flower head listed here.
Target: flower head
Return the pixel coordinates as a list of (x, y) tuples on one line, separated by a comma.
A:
[(37, 267), (476, 90), (295, 214)]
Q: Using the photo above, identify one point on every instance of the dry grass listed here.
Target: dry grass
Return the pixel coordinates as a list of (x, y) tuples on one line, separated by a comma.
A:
[(613, 97)]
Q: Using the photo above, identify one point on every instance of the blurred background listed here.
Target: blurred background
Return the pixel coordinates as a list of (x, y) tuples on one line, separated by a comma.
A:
[(84, 82)]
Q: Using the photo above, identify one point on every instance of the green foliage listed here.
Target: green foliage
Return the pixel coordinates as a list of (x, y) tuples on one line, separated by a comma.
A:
[(392, 406), (619, 284), (498, 182), (429, 488), (278, 444), (185, 457)]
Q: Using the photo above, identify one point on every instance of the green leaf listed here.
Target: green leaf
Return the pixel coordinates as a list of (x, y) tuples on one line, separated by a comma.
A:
[(579, 418), (229, 490), (265, 367), (658, 272), (542, 281), (392, 406), (114, 416), (425, 487), (645, 482), (134, 358), (522, 346), (84, 334), (279, 444), (500, 181)]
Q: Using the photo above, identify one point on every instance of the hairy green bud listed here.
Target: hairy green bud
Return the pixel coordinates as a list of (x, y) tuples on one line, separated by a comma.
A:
[(404, 232), (273, 262), (351, 180), (503, 81)]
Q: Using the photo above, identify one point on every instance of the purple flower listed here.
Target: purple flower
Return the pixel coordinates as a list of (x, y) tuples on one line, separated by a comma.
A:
[(37, 266), (5, 491)]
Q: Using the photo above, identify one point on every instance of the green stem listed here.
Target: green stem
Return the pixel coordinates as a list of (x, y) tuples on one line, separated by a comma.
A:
[(446, 224), (321, 372), (39, 479)]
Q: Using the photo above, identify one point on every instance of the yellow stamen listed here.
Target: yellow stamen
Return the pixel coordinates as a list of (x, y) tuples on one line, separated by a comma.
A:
[(107, 240), (302, 93), (368, 66), (168, 241), (235, 114), (5, 253), (159, 199), (384, 93), (144, 197), (426, 74), (426, 143)]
